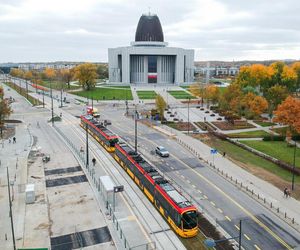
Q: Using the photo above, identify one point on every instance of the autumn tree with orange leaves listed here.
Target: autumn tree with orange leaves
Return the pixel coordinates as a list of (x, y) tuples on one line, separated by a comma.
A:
[(288, 113)]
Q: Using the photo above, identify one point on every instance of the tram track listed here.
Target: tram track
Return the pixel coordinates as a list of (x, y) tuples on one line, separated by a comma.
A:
[(78, 131)]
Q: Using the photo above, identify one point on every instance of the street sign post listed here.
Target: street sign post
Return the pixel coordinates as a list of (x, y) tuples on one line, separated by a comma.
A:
[(117, 189), (213, 152)]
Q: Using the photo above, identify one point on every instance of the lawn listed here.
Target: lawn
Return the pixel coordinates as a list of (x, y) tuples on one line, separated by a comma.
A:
[(180, 94), (249, 134), (22, 92), (113, 86), (146, 94), (249, 160), (57, 85), (264, 123), (106, 94), (276, 149), (185, 87)]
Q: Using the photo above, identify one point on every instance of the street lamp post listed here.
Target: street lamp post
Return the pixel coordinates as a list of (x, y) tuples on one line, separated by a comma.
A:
[(189, 116), (210, 243), (52, 111), (10, 212), (135, 130), (61, 90), (43, 98), (87, 146), (26, 89), (294, 165)]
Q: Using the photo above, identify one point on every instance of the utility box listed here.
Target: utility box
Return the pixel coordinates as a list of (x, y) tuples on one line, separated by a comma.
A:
[(107, 188), (29, 194)]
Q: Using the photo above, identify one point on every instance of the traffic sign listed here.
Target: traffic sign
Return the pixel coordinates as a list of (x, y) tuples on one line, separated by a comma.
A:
[(118, 189), (213, 151)]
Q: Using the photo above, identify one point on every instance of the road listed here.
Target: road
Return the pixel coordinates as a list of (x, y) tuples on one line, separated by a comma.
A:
[(213, 195)]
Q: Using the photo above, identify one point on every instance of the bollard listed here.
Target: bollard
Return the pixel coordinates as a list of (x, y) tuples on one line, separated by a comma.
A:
[(278, 210), (235, 181), (293, 220), (247, 188), (271, 205), (264, 200), (231, 178), (252, 192), (241, 184), (284, 214), (258, 196)]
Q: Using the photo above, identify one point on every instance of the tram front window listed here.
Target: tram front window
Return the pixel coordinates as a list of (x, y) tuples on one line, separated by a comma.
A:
[(189, 220), (113, 142)]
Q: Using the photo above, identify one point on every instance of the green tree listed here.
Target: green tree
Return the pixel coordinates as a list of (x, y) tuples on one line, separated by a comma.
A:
[(231, 98), (278, 69), (160, 105), (296, 67), (102, 70), (86, 74), (275, 95), (289, 78)]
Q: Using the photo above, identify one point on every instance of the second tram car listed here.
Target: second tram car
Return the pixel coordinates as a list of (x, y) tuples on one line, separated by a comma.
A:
[(181, 215)]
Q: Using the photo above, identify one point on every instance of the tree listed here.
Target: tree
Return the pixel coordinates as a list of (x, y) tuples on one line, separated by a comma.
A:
[(49, 73), (16, 72), (160, 105), (258, 105), (289, 78), (5, 110), (275, 95), (66, 75), (256, 75), (102, 71), (86, 74), (288, 113), (212, 93), (28, 75), (296, 67), (231, 98), (278, 69)]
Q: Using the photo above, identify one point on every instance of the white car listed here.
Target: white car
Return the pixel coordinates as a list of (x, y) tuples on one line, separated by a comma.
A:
[(160, 150), (77, 102)]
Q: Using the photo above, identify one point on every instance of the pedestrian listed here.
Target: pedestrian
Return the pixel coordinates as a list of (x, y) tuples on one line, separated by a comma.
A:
[(14, 139), (94, 162), (9, 140), (60, 115), (285, 192), (288, 193), (224, 154)]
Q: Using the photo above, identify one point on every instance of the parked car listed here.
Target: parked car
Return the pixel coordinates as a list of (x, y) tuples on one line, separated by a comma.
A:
[(162, 151)]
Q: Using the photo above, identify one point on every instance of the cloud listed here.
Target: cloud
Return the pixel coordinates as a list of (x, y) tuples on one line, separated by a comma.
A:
[(34, 30)]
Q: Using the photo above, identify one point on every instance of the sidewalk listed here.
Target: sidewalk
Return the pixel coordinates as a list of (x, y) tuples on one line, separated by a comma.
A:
[(261, 190)]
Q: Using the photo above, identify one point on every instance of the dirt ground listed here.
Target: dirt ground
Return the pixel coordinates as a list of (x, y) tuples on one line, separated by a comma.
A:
[(7, 133)]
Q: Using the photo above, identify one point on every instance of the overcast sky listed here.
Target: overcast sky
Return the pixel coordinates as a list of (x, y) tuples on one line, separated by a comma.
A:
[(82, 30)]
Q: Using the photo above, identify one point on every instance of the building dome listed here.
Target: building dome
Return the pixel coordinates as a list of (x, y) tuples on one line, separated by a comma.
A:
[(149, 29)]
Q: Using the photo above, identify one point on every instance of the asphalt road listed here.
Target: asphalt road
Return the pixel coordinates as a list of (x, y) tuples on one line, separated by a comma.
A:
[(224, 202), (213, 195)]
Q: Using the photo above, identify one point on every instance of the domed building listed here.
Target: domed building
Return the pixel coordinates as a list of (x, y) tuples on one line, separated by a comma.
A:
[(149, 59)]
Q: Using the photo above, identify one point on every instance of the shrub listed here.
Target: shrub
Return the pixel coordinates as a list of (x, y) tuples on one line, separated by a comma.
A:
[(274, 138)]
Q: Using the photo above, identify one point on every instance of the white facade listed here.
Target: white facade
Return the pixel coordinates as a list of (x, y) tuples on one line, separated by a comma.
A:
[(132, 64)]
